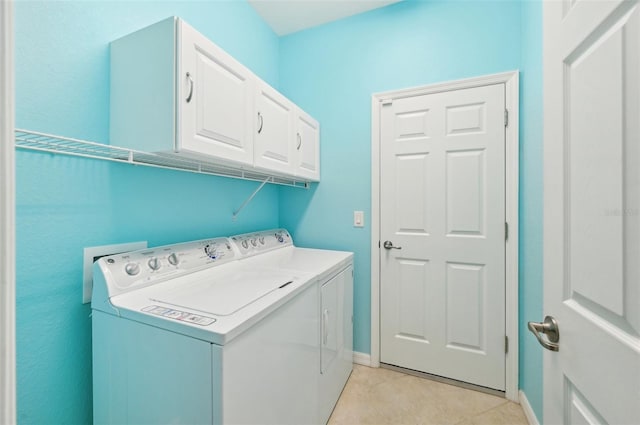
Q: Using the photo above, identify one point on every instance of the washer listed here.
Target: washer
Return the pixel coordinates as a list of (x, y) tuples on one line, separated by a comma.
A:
[(223, 330)]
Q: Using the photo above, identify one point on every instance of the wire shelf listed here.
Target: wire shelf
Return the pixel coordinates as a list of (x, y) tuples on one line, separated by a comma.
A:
[(32, 140)]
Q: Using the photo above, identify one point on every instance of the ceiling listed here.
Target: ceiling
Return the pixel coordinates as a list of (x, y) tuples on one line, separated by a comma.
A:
[(288, 16)]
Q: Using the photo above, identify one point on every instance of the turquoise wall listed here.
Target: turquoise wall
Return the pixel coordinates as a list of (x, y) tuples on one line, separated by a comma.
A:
[(530, 265), (65, 204), (333, 70)]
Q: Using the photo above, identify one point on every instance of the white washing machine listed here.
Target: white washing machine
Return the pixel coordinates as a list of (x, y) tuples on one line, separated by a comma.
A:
[(243, 330)]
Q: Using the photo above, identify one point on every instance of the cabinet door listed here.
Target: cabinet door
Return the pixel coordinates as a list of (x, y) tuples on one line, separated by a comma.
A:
[(273, 148), (215, 100), (307, 153)]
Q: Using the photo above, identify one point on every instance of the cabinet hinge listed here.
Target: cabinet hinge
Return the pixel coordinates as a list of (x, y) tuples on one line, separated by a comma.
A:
[(506, 344), (506, 231), (387, 102), (506, 117), (378, 244)]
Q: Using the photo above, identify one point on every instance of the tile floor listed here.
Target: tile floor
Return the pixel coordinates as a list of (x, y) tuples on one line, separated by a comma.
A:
[(382, 396)]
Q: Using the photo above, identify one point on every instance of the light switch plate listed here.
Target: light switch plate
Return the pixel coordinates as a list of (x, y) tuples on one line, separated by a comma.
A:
[(94, 253), (358, 219)]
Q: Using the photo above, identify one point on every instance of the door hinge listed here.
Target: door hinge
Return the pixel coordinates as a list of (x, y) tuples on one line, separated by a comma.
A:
[(378, 244), (506, 117), (506, 231), (506, 344)]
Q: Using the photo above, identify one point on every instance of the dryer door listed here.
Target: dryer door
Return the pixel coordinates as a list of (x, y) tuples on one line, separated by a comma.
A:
[(329, 322), (336, 357)]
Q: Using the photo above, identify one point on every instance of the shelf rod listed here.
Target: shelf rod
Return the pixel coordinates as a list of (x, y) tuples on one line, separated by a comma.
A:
[(250, 198)]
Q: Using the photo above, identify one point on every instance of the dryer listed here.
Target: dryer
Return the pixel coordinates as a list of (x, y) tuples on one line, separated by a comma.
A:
[(333, 271), (214, 331)]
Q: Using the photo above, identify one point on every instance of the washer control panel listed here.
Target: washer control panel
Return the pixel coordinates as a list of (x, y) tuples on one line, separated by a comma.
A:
[(256, 243), (133, 270), (137, 268)]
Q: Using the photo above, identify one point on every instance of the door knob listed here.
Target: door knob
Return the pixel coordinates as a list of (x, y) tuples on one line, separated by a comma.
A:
[(550, 328), (389, 245)]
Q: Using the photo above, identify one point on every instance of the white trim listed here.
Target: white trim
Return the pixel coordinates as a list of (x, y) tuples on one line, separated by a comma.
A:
[(363, 359), (512, 192), (375, 231), (511, 81), (7, 220), (528, 411)]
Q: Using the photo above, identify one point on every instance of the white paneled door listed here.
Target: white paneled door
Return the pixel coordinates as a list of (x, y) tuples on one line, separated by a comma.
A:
[(592, 211), (442, 219)]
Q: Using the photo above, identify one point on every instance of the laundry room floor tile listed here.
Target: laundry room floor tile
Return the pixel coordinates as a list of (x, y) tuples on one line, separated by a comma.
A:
[(382, 396)]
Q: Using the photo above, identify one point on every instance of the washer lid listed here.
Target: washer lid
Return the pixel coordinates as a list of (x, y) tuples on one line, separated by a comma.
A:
[(225, 293)]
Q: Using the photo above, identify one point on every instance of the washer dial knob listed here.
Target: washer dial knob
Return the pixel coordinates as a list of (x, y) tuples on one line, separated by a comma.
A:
[(154, 263), (245, 245), (261, 240), (212, 251), (132, 269), (173, 259), (253, 242)]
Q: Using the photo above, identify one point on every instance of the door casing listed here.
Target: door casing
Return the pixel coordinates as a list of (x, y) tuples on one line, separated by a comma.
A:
[(511, 81), (7, 220)]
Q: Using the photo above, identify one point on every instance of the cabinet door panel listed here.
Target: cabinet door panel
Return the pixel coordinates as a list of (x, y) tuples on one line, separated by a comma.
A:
[(274, 131), (307, 147), (215, 100)]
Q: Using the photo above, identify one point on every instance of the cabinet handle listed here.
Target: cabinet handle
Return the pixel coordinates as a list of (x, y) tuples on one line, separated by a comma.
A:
[(299, 141), (188, 99), (325, 330), (261, 122)]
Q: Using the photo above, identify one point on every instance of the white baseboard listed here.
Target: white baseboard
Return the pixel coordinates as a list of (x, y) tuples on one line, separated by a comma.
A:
[(363, 359), (528, 411)]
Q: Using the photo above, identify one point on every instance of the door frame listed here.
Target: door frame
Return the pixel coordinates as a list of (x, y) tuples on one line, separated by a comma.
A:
[(511, 82), (7, 222)]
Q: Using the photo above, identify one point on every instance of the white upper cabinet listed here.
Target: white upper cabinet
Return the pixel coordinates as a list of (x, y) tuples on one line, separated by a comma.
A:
[(143, 89), (215, 101), (176, 93), (273, 141), (307, 147)]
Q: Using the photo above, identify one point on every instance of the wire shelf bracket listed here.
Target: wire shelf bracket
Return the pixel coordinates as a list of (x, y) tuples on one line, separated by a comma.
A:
[(250, 198)]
